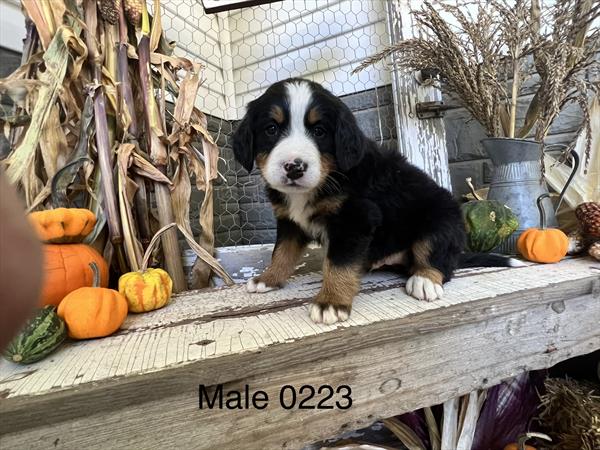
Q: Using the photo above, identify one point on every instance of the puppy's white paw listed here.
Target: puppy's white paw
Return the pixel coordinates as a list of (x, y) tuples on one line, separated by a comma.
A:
[(327, 314), (423, 288), (259, 287)]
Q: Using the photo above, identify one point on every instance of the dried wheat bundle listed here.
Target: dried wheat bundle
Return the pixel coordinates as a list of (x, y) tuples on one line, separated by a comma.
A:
[(105, 118), (484, 51), (570, 411)]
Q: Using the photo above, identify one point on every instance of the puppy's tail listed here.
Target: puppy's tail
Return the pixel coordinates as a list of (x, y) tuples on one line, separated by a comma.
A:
[(487, 260)]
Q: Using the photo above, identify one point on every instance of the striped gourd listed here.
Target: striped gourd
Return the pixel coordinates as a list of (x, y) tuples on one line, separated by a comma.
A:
[(40, 337)]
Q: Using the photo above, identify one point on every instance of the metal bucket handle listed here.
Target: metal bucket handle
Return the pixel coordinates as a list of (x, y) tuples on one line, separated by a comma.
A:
[(575, 157)]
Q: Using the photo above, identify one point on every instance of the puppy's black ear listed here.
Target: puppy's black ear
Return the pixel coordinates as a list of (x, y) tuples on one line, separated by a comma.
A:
[(349, 140), (243, 144)]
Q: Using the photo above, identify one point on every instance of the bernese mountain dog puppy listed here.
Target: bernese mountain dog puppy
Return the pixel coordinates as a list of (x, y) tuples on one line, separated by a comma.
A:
[(367, 206)]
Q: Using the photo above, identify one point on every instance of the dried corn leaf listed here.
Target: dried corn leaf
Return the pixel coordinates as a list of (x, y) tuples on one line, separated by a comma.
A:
[(474, 402), (53, 143), (180, 195), (47, 15), (434, 432), (66, 175), (197, 168), (32, 185), (94, 204), (56, 59), (19, 89), (184, 105), (145, 168), (126, 192), (211, 151), (156, 31), (449, 423), (40, 198), (403, 432), (63, 179), (200, 272)]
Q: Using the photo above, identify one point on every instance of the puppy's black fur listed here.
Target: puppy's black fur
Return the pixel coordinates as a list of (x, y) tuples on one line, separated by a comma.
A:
[(377, 205)]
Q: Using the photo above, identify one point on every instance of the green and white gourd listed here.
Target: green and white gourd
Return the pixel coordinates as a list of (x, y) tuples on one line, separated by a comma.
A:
[(488, 223), (40, 337)]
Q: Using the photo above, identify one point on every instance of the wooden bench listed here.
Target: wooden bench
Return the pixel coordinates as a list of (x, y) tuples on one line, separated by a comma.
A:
[(139, 388)]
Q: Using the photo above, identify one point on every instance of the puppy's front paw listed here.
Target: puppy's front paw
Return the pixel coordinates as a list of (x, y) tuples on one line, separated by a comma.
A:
[(328, 314), (423, 288), (255, 285)]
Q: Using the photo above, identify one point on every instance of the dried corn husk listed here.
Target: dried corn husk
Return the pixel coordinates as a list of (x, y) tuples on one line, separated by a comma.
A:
[(91, 77)]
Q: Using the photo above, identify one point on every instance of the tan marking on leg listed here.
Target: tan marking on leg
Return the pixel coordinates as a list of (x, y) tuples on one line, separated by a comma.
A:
[(283, 263), (425, 282), (421, 251), (430, 273), (277, 114), (313, 116), (340, 284), (333, 303)]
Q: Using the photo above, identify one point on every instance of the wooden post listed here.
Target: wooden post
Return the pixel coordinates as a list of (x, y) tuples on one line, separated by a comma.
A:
[(423, 142)]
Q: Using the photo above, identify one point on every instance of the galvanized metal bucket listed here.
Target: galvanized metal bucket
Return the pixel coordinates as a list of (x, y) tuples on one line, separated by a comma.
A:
[(517, 182)]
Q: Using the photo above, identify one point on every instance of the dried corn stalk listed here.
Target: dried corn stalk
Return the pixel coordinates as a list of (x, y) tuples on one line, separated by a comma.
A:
[(77, 129)]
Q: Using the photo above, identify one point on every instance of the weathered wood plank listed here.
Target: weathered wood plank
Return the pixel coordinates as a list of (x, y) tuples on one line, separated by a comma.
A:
[(423, 142), (396, 353)]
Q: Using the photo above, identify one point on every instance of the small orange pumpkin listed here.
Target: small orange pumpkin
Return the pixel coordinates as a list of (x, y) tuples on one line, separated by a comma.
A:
[(92, 312), (67, 267), (520, 444), (515, 446), (63, 225), (543, 245)]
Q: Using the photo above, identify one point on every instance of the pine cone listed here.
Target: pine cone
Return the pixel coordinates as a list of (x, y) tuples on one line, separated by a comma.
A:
[(108, 11), (594, 250), (588, 215), (133, 11)]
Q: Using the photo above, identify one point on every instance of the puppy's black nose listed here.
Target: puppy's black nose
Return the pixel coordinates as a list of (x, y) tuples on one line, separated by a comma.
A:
[(295, 169)]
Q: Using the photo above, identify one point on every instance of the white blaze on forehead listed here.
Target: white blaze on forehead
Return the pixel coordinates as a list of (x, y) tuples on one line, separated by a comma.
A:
[(300, 98), (295, 144)]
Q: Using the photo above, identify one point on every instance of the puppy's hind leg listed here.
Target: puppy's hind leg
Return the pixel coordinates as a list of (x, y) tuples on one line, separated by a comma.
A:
[(425, 282)]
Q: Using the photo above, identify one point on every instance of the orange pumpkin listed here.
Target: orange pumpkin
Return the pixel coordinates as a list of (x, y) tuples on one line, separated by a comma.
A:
[(520, 444), (515, 446), (67, 267), (92, 312), (63, 225), (543, 245)]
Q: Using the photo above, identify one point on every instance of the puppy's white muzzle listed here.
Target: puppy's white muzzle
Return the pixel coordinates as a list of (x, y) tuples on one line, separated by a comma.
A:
[(294, 165)]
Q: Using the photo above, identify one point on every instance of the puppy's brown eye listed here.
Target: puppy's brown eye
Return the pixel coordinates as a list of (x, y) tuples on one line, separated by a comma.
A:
[(271, 130), (319, 131)]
